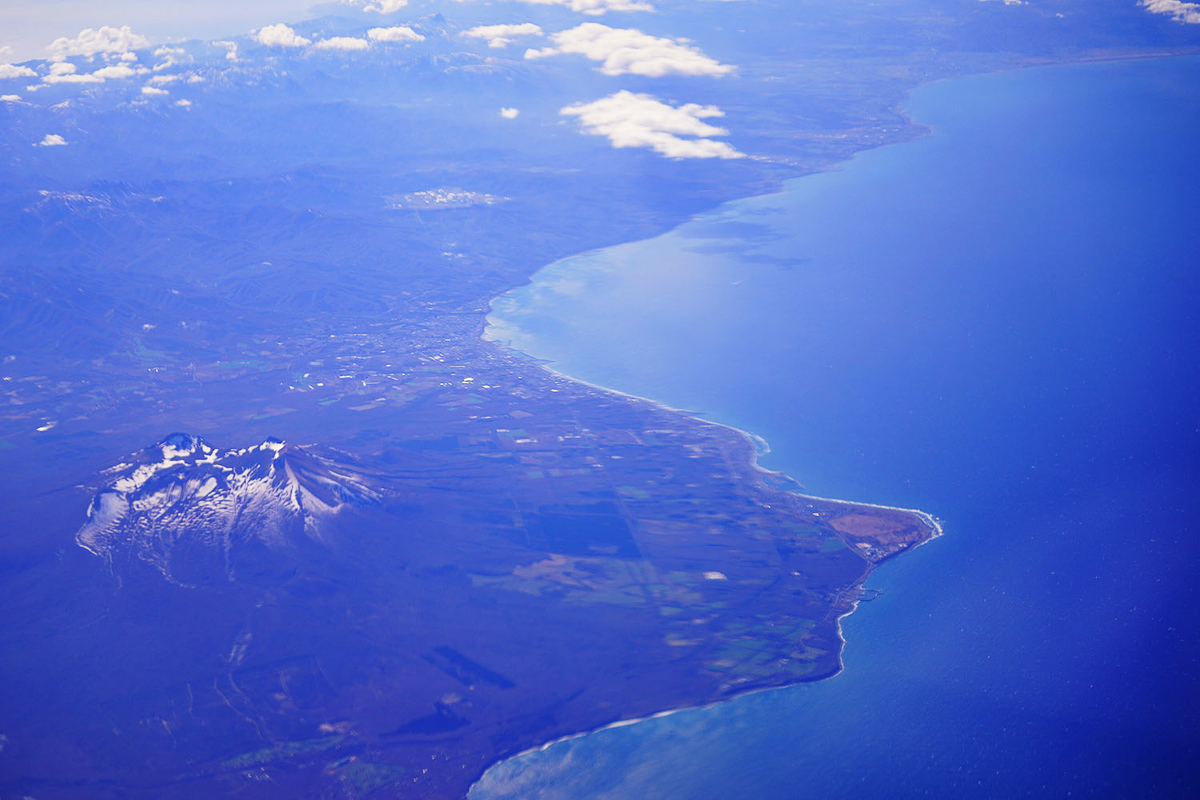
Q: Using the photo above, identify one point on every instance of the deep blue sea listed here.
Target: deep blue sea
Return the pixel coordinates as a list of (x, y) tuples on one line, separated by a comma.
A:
[(997, 323)]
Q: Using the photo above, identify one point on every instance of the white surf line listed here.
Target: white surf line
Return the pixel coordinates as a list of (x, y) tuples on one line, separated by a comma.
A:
[(760, 445), (933, 522), (624, 723)]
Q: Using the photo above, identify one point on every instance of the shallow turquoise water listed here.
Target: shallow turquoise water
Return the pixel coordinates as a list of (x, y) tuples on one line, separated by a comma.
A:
[(997, 324)]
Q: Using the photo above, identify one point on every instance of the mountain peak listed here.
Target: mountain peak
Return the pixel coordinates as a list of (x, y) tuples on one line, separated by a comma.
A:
[(191, 510)]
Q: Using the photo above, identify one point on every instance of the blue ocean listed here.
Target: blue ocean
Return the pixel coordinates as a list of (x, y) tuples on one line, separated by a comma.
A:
[(996, 323)]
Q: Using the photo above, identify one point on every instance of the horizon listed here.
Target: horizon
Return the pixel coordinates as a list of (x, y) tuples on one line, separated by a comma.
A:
[(27, 30)]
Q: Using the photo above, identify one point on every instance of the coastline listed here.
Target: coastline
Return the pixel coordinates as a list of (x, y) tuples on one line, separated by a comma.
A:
[(1043, 649), (759, 446), (624, 723)]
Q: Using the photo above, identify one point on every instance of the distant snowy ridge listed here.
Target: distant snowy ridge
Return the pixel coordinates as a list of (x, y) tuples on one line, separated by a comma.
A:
[(190, 510)]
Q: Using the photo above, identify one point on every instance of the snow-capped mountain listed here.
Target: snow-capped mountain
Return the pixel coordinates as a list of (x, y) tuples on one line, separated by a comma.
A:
[(194, 511)]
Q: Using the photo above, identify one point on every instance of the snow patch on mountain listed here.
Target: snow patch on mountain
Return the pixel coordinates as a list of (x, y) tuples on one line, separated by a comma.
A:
[(189, 509)]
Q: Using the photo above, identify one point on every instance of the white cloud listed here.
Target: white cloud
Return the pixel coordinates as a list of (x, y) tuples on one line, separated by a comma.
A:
[(510, 113), (183, 103), (89, 42), (231, 49), (51, 140), (157, 79), (116, 71), (593, 7), (342, 43), (10, 98), (64, 72), (15, 71), (168, 51), (166, 63), (1184, 12), (72, 78), (153, 90), (640, 120), (378, 6), (627, 50), (278, 35), (396, 33), (502, 35)]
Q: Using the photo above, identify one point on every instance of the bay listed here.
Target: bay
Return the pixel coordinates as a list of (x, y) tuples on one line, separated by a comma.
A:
[(995, 323)]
